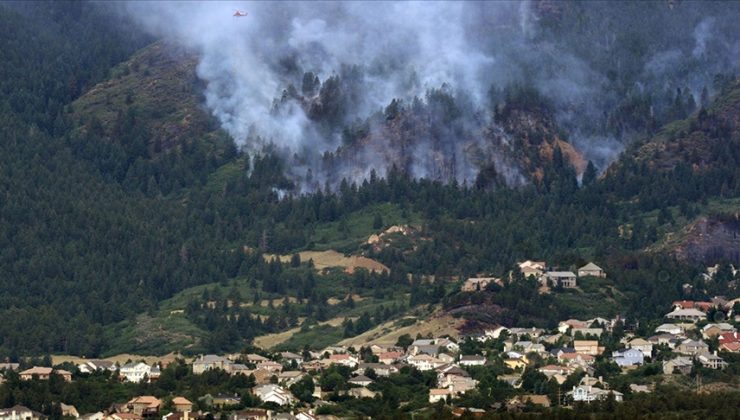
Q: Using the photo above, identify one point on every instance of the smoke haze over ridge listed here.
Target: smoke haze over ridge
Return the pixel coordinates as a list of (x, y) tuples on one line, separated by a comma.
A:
[(404, 49)]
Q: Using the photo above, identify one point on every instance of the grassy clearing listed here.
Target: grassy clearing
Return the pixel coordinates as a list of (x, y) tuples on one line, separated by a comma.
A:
[(346, 235)]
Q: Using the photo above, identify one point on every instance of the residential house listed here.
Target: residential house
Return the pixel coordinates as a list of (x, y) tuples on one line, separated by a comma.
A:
[(669, 340), (91, 366), (472, 360), (681, 365), (588, 393), (439, 394), (270, 366), (288, 357), (585, 332), (389, 357), (590, 347), (240, 369), (287, 378), (424, 362), (692, 347), (43, 373), (69, 410), (344, 359), (380, 369), (713, 330), (220, 400), (256, 358), (181, 404), (576, 359), (532, 332), (518, 402), (92, 416), (529, 347), (209, 362), (641, 344), (532, 268), (729, 341), (360, 380), (476, 284), (145, 405), (674, 329), (566, 279), (135, 372), (690, 304), (565, 326), (361, 392), (692, 315), (711, 361), (591, 269), (629, 357), (123, 416), (516, 360), (273, 393), (252, 414), (19, 412), (9, 366), (495, 333)]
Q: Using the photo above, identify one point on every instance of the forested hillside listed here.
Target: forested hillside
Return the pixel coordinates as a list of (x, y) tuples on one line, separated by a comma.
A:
[(130, 221)]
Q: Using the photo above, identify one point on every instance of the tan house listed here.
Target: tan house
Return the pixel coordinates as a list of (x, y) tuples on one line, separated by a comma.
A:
[(590, 347), (211, 361), (181, 404), (145, 405), (43, 373), (592, 270)]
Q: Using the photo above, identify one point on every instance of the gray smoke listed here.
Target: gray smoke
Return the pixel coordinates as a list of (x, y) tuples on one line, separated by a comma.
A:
[(400, 50)]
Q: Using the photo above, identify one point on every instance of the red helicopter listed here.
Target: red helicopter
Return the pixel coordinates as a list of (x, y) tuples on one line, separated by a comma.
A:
[(240, 13)]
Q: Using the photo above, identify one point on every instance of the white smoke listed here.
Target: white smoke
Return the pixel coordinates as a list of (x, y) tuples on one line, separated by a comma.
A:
[(402, 49)]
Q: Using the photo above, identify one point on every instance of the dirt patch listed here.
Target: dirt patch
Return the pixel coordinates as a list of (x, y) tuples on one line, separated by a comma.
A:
[(271, 340), (334, 301), (329, 259), (387, 334)]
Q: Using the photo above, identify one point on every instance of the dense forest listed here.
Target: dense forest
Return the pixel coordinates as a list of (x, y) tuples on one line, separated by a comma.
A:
[(96, 230)]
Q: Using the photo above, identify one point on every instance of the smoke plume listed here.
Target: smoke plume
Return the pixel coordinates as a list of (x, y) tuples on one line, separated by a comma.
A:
[(383, 51)]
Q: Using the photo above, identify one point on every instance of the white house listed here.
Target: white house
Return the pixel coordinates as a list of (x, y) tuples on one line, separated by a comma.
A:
[(670, 329), (690, 314), (590, 393), (91, 366), (565, 279), (641, 344), (135, 372), (424, 362), (273, 393), (474, 360), (591, 269), (19, 412)]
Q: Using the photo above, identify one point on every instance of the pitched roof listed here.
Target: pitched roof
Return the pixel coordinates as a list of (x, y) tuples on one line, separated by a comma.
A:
[(38, 370), (181, 401), (590, 267)]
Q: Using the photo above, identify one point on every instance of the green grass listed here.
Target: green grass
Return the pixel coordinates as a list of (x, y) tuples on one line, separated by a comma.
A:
[(317, 337), (154, 335), (346, 235)]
